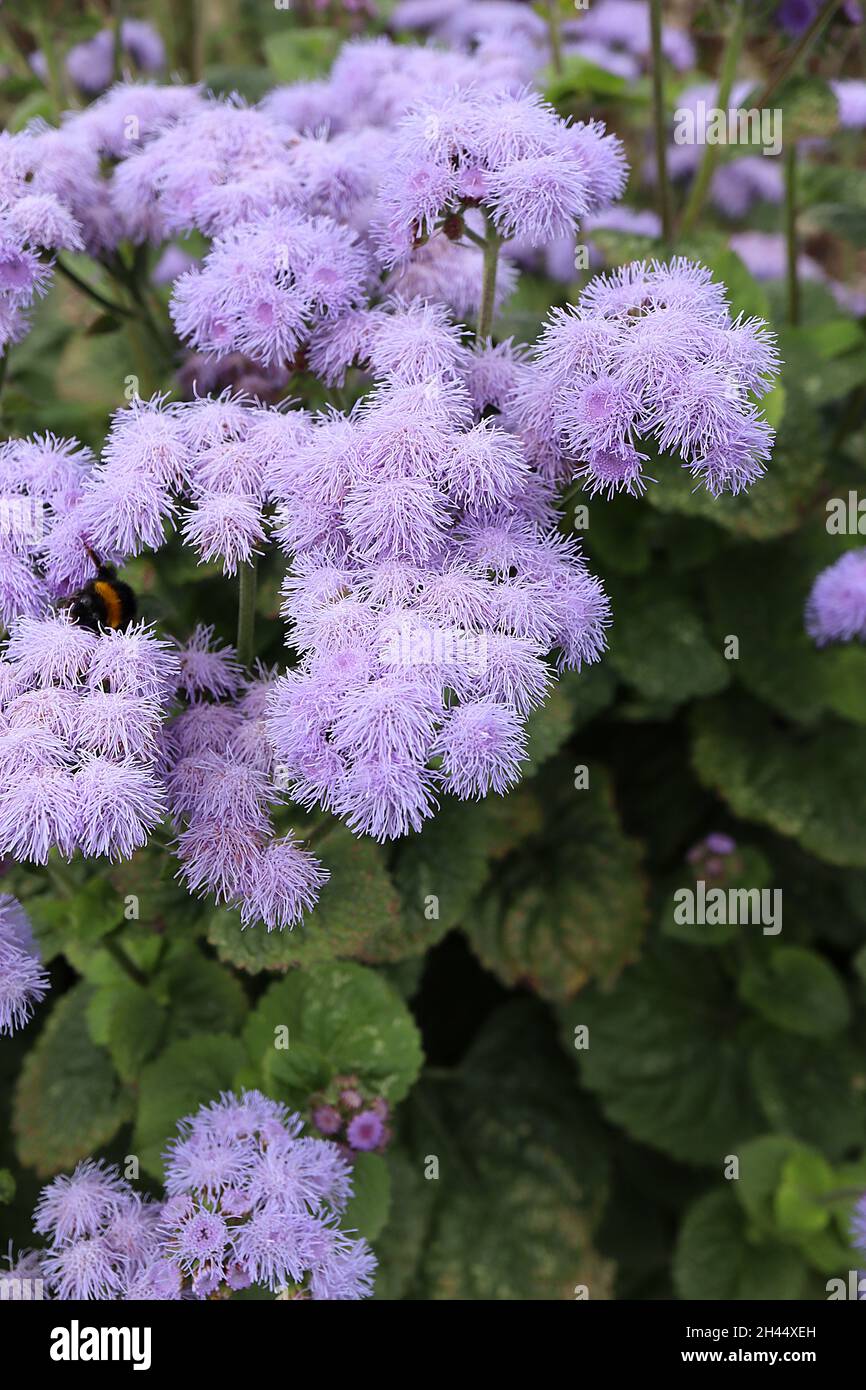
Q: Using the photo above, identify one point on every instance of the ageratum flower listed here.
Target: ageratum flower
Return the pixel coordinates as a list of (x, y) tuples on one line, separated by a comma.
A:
[(220, 164), (102, 1234), (90, 65), (650, 356), (80, 721), (428, 587), (836, 606), (265, 285), (532, 172), (253, 1201), (221, 792), (23, 979)]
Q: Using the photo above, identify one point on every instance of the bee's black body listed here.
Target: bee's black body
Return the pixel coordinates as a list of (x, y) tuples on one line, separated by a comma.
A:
[(104, 602)]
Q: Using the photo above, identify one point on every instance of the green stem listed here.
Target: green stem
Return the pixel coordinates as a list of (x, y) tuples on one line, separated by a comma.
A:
[(128, 966), (790, 158), (492, 244), (473, 237), (321, 829), (705, 173), (247, 612), (660, 122), (117, 8), (188, 38), (797, 52), (553, 26), (56, 86), (107, 304)]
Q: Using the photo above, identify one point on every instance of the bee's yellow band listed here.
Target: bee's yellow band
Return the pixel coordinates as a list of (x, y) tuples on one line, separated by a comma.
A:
[(113, 609)]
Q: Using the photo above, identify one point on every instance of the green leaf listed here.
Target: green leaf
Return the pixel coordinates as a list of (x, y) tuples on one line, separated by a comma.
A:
[(7, 1187), (299, 54), (581, 78), (805, 1178), (808, 786), (760, 1171), (129, 1022), (666, 1055), (569, 905), (658, 644), (341, 1020), (69, 1100), (400, 1244), (367, 1210), (516, 1166), (797, 990), (189, 1073), (357, 916), (441, 870), (715, 1261), (811, 1090), (201, 997)]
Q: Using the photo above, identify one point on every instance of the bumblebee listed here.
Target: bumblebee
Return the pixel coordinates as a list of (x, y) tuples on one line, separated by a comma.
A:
[(105, 601)]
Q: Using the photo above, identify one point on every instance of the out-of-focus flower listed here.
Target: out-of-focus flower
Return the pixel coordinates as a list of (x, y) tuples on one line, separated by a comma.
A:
[(23, 978), (836, 606)]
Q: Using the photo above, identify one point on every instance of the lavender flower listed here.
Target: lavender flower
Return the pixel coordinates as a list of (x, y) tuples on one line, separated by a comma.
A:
[(265, 285), (427, 589), (251, 1197), (649, 353), (836, 606), (80, 741), (23, 979), (366, 1131), (532, 173)]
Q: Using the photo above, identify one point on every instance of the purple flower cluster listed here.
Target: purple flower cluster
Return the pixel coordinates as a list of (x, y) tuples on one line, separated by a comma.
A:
[(249, 1200), (42, 550), (533, 173), (157, 454), (625, 25), (649, 354), (265, 284), (836, 606), (103, 1239), (428, 586), (23, 978), (858, 1224), (711, 856), (220, 784), (32, 219), (80, 724), (253, 1201), (222, 163), (90, 65), (343, 1115)]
